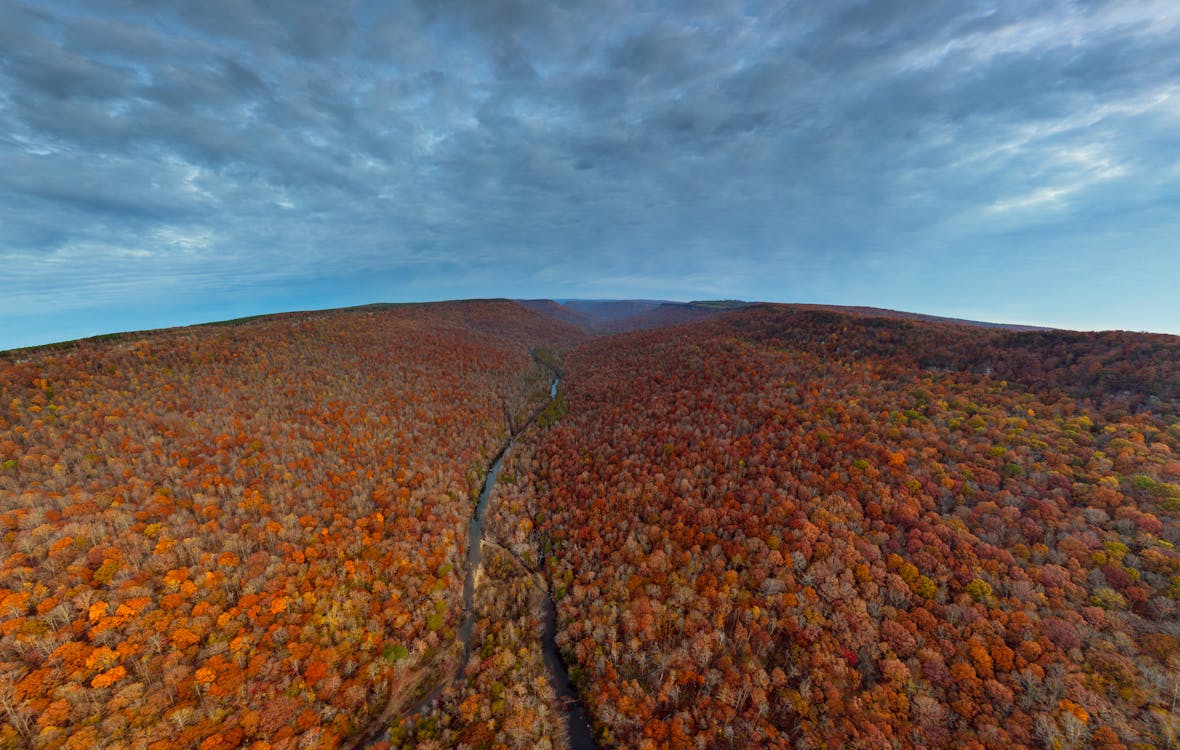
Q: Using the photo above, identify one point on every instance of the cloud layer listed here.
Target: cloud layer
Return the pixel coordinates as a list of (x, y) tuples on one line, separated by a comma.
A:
[(167, 162)]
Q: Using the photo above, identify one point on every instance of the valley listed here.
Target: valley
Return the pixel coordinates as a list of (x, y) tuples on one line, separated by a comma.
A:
[(733, 525)]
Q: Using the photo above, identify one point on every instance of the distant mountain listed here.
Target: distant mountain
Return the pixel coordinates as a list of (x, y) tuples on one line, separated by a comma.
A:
[(880, 312), (497, 316), (604, 315), (613, 316), (586, 315), (674, 314), (557, 311), (721, 304), (602, 311)]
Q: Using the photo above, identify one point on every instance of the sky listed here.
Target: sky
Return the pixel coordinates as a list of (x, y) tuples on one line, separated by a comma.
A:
[(167, 163)]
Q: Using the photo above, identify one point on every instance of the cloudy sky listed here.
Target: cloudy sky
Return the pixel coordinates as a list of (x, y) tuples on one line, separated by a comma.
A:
[(174, 162)]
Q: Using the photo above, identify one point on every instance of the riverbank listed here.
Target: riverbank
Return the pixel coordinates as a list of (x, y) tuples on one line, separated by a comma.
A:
[(510, 681)]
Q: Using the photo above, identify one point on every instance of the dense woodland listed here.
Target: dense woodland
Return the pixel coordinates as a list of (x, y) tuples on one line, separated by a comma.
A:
[(804, 529), (244, 535), (770, 527)]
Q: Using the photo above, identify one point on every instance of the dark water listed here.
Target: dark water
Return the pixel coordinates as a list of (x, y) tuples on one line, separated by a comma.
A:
[(474, 560), (475, 555), (577, 725)]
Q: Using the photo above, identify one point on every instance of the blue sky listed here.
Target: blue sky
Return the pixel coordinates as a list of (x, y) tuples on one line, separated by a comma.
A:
[(166, 163)]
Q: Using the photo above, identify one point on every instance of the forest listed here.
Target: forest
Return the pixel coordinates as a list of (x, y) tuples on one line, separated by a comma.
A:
[(760, 526)]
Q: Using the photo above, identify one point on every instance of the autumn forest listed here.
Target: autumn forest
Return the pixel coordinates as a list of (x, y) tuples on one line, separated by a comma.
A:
[(748, 526)]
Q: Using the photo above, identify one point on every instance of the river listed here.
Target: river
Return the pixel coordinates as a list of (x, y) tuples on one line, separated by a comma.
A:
[(576, 722)]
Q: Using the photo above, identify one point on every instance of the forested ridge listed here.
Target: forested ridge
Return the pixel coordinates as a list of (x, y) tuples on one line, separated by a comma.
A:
[(770, 527), (806, 529), (246, 535)]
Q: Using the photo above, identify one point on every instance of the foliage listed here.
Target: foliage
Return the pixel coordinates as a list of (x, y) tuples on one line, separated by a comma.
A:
[(232, 535), (771, 527), (785, 528)]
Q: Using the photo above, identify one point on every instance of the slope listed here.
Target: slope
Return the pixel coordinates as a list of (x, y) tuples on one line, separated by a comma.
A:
[(786, 528), (226, 535)]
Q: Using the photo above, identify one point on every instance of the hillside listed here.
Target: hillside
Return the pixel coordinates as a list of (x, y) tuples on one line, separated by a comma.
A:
[(788, 528), (877, 312), (763, 526), (227, 535)]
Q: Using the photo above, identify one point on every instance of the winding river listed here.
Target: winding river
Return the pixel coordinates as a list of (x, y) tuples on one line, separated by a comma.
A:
[(576, 722)]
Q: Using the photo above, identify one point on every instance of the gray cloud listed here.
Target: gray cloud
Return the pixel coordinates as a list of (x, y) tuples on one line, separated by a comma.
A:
[(839, 151)]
